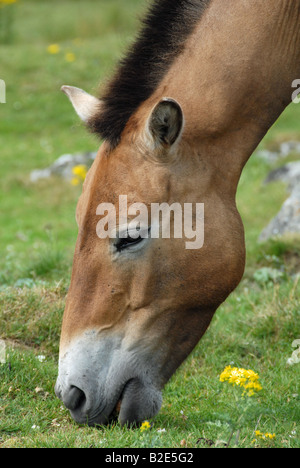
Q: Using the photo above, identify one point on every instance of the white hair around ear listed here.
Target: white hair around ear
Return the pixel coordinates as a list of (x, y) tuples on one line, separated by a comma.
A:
[(84, 103)]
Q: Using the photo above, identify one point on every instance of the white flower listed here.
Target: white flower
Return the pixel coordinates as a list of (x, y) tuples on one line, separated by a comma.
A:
[(41, 358), (295, 357), (55, 423)]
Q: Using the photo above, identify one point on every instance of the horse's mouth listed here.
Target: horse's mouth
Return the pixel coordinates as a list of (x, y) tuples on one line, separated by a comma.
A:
[(117, 409), (125, 399), (137, 402)]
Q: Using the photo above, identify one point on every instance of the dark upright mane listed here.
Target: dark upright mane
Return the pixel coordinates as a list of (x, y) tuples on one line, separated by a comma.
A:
[(162, 38)]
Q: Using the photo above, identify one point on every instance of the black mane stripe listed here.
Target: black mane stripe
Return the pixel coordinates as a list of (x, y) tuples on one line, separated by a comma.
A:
[(162, 38)]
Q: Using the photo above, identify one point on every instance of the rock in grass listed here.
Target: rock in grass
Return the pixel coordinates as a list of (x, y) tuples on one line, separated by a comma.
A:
[(287, 221), (289, 174), (285, 149), (63, 166)]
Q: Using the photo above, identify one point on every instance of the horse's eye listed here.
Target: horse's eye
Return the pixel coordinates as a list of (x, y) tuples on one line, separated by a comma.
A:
[(125, 242), (122, 244)]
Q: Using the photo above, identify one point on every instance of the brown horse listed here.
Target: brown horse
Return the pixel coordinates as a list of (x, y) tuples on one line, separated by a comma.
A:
[(193, 98)]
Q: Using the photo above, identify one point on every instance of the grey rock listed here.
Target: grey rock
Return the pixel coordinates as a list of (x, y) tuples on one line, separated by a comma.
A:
[(287, 221), (63, 166), (284, 150), (289, 174)]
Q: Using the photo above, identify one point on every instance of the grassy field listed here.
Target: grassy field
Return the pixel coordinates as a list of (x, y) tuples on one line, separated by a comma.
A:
[(254, 329)]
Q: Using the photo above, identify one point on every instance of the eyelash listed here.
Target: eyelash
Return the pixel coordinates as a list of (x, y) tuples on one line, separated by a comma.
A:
[(123, 243)]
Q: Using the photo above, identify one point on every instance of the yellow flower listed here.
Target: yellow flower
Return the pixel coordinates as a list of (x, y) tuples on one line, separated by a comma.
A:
[(70, 57), (79, 173), (145, 426), (246, 378), (53, 49), (267, 435)]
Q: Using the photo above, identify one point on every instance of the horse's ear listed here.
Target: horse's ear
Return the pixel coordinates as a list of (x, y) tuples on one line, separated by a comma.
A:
[(84, 104), (165, 123)]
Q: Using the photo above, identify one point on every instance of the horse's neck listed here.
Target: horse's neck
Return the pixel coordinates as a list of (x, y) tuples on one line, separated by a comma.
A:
[(235, 75)]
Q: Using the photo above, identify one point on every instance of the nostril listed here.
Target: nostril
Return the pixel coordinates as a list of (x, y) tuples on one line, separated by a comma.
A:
[(74, 398)]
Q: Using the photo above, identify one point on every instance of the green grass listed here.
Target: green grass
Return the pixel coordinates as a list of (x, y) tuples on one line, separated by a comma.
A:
[(254, 329)]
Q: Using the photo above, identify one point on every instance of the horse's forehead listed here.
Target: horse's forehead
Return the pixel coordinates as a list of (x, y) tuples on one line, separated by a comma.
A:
[(112, 170), (126, 171)]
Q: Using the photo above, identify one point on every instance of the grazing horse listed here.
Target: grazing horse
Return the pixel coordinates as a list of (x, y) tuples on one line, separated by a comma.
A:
[(188, 105)]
